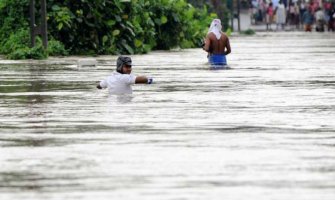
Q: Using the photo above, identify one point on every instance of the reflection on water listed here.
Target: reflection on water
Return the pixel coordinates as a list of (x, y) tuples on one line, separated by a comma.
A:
[(264, 129), (120, 99)]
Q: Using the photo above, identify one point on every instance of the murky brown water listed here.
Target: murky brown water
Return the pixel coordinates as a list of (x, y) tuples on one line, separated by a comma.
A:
[(264, 129)]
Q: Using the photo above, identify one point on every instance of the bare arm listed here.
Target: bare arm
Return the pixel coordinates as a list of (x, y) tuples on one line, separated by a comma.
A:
[(227, 47), (143, 80), (207, 44)]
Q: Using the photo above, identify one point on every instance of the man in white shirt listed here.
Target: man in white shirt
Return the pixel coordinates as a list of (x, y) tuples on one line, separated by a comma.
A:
[(120, 82)]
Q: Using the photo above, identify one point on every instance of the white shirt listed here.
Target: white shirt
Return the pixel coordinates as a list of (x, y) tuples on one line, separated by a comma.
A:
[(319, 15), (119, 83)]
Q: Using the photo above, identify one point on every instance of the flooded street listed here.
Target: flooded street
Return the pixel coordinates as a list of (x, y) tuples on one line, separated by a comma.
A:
[(264, 129)]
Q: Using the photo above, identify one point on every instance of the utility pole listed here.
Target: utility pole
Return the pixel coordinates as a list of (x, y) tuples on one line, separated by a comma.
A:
[(42, 29), (238, 16), (232, 14)]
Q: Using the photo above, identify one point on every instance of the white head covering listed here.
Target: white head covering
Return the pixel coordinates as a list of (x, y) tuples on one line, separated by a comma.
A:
[(216, 28)]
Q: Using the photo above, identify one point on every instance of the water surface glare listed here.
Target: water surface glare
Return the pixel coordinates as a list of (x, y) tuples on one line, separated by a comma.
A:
[(263, 129)]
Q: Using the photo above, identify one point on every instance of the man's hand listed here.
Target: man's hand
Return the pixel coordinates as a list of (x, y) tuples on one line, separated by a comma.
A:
[(150, 80), (202, 44)]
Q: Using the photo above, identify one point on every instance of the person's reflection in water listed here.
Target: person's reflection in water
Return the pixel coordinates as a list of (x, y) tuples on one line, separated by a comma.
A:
[(120, 82)]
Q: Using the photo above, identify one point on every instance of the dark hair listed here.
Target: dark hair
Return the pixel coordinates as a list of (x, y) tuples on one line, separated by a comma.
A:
[(122, 60)]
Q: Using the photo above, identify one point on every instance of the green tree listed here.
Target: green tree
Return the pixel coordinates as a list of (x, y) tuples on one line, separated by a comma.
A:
[(107, 26), (217, 6)]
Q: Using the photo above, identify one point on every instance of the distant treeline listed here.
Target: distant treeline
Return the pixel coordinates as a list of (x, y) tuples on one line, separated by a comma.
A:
[(103, 27)]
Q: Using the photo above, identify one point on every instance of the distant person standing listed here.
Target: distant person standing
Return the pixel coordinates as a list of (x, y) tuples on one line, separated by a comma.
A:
[(269, 16), (331, 21), (120, 82), (320, 20), (290, 13), (280, 15), (217, 45), (302, 9), (308, 19), (294, 14)]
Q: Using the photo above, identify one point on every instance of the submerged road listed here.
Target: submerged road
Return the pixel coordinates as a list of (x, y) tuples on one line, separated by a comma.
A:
[(263, 129)]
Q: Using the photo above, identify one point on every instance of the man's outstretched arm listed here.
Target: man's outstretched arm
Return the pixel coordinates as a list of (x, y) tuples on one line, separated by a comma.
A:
[(143, 80)]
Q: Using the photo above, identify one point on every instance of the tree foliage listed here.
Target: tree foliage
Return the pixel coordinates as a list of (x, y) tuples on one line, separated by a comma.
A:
[(220, 7), (110, 26)]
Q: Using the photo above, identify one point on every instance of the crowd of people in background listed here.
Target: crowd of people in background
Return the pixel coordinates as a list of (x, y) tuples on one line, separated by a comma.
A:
[(307, 15)]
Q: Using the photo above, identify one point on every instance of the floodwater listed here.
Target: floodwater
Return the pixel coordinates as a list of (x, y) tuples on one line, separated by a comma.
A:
[(263, 129)]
